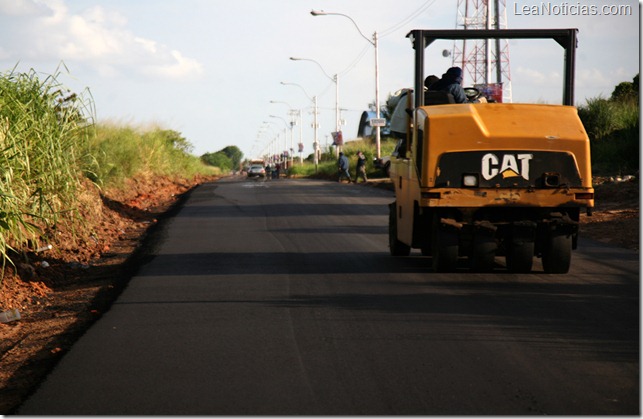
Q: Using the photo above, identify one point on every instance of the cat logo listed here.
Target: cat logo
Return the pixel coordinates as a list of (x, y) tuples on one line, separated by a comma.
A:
[(511, 165)]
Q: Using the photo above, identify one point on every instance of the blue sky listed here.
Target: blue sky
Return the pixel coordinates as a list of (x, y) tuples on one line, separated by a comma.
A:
[(210, 68)]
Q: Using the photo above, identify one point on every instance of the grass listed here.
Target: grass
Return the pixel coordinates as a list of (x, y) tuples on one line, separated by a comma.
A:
[(51, 145), (44, 131), (118, 153), (613, 128), (327, 166)]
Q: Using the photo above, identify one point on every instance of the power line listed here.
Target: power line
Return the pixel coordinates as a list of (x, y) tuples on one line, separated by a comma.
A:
[(386, 32), (356, 60), (419, 11)]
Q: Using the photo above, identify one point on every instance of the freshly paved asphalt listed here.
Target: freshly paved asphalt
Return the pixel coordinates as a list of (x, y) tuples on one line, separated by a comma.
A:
[(280, 298)]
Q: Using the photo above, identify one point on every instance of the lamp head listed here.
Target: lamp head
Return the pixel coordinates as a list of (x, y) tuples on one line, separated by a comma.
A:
[(317, 13)]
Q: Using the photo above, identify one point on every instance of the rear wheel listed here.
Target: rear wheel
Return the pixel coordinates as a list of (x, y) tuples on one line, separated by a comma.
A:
[(520, 256), (444, 248), (396, 247), (557, 255), (484, 253)]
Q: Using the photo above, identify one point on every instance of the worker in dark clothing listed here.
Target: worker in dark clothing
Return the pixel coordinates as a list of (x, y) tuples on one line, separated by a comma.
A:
[(342, 168), (451, 82)]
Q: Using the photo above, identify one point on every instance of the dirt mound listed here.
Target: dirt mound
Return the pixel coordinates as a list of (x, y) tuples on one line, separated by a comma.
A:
[(616, 214)]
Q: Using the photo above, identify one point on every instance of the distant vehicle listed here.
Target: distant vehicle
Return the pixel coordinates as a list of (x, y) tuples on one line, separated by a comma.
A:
[(256, 170), (365, 129)]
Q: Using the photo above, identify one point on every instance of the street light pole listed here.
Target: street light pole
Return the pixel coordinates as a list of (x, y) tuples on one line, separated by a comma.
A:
[(315, 124), (316, 136), (373, 42), (272, 146), (286, 139), (377, 95), (294, 113), (334, 79)]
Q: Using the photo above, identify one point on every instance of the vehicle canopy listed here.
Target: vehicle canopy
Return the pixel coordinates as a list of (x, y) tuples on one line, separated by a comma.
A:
[(567, 38)]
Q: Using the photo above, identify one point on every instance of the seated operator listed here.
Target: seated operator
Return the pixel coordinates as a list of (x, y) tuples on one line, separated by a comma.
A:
[(451, 82)]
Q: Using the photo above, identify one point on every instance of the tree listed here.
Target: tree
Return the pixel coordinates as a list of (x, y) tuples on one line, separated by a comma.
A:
[(626, 90), (234, 153), (218, 159)]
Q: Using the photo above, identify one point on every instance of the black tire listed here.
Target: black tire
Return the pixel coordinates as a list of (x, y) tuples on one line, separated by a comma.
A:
[(444, 248), (557, 254), (396, 247), (520, 256), (483, 253)]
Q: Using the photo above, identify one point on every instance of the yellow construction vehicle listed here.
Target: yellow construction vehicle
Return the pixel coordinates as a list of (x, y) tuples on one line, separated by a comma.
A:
[(480, 180)]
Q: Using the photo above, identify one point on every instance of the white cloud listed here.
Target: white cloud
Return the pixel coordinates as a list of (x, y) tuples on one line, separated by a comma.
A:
[(20, 7), (97, 37), (595, 82), (181, 68), (536, 77), (591, 77)]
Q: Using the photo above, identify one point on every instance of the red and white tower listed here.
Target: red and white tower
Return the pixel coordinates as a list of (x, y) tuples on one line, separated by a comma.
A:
[(485, 63)]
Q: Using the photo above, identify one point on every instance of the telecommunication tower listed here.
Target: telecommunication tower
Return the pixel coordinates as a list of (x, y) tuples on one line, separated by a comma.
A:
[(484, 63)]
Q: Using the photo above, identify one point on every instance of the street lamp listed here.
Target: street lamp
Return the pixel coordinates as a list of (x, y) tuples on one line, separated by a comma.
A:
[(315, 124), (286, 138), (263, 130), (377, 71), (294, 113), (273, 144), (335, 80)]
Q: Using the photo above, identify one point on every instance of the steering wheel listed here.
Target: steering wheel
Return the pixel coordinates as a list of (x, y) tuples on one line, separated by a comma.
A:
[(472, 93)]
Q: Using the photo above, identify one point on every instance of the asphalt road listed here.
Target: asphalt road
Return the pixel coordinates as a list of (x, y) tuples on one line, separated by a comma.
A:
[(280, 298)]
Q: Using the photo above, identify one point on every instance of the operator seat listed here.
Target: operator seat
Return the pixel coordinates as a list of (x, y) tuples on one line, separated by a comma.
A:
[(437, 97)]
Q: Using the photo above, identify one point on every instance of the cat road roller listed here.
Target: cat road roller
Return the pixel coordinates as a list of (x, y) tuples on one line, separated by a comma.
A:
[(477, 184)]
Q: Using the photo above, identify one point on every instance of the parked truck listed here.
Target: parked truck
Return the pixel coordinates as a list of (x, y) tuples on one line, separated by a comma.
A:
[(477, 181)]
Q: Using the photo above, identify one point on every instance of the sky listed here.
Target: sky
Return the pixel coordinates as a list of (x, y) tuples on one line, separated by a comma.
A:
[(219, 72)]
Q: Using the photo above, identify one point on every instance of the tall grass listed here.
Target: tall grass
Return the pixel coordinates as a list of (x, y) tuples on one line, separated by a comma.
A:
[(43, 138), (123, 152), (613, 129), (50, 145)]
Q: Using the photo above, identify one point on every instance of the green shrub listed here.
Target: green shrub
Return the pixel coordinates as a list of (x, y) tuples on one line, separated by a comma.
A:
[(598, 118), (613, 130)]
